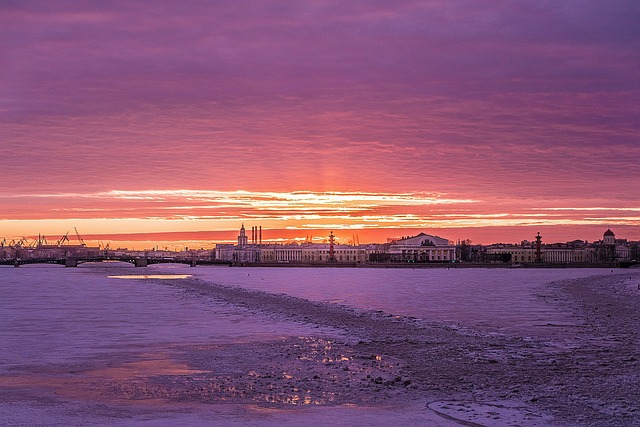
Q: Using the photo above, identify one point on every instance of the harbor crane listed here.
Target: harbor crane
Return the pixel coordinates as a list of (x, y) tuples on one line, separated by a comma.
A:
[(42, 240), (63, 239), (79, 238)]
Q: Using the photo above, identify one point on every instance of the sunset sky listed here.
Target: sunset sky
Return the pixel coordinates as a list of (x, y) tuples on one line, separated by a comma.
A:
[(488, 120)]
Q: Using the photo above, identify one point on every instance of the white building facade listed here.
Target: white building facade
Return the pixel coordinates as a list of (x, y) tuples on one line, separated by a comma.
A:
[(423, 247)]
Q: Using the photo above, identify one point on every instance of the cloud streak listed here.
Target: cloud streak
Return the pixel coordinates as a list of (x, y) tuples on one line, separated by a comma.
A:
[(197, 210)]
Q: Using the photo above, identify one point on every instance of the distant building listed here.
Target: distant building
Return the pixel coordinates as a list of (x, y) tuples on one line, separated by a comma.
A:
[(242, 237), (612, 249), (609, 249), (565, 253), (526, 252), (609, 238), (423, 247)]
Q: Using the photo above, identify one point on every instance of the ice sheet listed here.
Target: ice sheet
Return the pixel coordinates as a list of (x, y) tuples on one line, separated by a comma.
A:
[(501, 299), (81, 348), (56, 315)]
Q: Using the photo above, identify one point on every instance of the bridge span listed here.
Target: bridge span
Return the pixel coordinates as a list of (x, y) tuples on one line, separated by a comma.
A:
[(74, 261)]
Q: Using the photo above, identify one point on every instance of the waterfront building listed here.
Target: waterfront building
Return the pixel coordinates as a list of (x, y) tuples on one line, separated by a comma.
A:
[(268, 253), (242, 237), (242, 253), (224, 252), (312, 253), (609, 249), (612, 249), (525, 252), (423, 247), (566, 254)]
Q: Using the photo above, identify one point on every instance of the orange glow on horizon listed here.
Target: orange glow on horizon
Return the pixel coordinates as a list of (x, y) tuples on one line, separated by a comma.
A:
[(163, 215)]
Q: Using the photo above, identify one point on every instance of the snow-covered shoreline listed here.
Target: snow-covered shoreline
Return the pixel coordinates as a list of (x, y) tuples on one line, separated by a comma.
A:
[(82, 349)]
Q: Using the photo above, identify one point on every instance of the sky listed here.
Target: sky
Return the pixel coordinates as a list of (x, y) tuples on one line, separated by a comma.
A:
[(487, 120)]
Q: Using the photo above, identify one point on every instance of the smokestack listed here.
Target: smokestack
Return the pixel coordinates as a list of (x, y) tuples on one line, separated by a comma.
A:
[(260, 234), (253, 235)]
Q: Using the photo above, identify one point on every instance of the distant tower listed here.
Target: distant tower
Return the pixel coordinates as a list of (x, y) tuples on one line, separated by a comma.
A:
[(242, 238), (538, 248), (332, 257), (609, 238)]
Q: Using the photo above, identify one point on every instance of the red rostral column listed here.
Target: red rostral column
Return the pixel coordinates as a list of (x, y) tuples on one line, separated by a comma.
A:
[(538, 251), (331, 241)]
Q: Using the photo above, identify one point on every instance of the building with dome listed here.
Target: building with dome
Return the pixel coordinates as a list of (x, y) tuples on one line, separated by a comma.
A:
[(249, 250), (612, 249), (607, 250), (609, 238), (423, 247)]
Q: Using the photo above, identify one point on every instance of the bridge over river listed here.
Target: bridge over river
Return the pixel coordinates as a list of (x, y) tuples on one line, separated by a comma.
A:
[(138, 261)]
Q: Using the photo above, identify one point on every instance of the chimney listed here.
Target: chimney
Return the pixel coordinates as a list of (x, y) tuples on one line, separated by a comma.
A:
[(260, 234)]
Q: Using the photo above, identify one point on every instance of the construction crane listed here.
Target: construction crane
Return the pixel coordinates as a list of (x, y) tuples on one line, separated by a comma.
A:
[(79, 238), (63, 239)]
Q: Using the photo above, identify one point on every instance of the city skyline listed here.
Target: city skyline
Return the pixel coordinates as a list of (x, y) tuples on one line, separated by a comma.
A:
[(256, 235), (478, 120)]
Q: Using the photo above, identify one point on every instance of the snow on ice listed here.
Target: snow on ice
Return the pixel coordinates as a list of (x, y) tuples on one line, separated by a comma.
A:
[(114, 345)]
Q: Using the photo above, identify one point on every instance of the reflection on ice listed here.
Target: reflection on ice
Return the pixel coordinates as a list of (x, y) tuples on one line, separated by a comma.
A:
[(151, 276), (149, 365)]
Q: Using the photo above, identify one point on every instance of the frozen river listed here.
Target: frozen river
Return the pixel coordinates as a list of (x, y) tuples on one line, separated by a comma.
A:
[(500, 299), (71, 336)]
